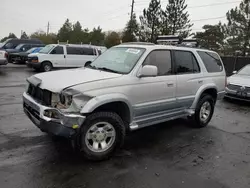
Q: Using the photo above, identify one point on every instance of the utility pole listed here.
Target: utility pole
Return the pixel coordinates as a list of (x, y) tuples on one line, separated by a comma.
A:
[(48, 29), (132, 10)]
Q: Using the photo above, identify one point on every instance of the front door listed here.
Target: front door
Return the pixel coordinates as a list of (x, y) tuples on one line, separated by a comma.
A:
[(58, 57), (152, 96)]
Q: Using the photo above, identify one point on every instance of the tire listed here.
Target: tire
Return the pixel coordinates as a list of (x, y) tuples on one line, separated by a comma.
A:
[(198, 120), (46, 66), (87, 64), (113, 143)]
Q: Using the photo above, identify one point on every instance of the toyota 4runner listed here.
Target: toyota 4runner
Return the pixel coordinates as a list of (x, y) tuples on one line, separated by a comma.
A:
[(128, 87)]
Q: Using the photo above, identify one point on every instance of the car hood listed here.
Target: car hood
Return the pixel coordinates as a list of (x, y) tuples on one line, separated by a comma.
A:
[(241, 80), (56, 81), (12, 50)]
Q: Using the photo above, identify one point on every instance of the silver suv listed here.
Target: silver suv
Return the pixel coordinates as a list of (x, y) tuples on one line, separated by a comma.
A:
[(128, 87)]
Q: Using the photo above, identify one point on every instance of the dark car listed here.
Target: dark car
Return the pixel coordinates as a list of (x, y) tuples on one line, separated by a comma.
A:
[(13, 43), (20, 48), (22, 57)]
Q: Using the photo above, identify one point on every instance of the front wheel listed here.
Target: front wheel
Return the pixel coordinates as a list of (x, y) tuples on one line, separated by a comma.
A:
[(101, 134), (46, 66), (204, 111)]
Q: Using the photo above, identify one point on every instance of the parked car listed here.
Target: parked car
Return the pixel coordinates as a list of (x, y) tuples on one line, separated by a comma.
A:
[(20, 48), (238, 86), (22, 57), (56, 55), (3, 57), (128, 87), (13, 43)]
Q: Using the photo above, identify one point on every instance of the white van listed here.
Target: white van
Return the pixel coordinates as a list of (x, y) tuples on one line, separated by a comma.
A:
[(62, 55)]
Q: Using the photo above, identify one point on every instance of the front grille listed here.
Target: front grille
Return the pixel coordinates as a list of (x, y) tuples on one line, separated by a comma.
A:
[(34, 112), (40, 95), (233, 87), (238, 88)]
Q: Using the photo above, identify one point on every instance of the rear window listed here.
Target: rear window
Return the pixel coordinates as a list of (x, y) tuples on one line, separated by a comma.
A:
[(211, 61)]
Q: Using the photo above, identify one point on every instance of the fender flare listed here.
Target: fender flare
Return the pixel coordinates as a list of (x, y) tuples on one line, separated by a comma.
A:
[(98, 101), (200, 91)]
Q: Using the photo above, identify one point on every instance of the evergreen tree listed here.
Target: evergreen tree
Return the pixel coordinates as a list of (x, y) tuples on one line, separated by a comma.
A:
[(65, 31), (131, 30), (239, 26), (24, 35), (76, 36), (112, 38), (176, 19), (150, 21), (11, 35), (96, 36), (51, 38), (213, 37)]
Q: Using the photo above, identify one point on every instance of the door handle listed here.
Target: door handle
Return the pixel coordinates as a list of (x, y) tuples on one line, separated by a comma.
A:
[(200, 81), (170, 84), (64, 56)]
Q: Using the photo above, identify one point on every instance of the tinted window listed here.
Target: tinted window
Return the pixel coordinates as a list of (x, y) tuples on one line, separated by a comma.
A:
[(162, 60), (9, 45), (57, 50), (88, 51), (24, 48), (212, 61), (74, 51), (185, 62)]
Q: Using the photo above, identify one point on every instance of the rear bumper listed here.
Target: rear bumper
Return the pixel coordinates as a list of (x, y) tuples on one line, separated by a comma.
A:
[(67, 125), (3, 62)]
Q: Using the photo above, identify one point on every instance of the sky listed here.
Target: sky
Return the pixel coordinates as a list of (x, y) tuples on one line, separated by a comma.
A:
[(30, 15)]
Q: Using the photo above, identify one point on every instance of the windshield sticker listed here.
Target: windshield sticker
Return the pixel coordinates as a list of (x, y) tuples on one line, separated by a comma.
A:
[(133, 51)]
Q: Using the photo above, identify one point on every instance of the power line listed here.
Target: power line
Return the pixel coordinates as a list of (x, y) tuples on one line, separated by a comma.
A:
[(205, 19)]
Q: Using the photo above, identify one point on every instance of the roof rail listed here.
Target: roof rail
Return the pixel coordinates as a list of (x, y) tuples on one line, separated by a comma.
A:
[(139, 43), (176, 41)]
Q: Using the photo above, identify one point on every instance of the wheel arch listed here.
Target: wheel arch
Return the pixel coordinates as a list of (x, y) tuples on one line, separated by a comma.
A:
[(112, 102), (209, 89)]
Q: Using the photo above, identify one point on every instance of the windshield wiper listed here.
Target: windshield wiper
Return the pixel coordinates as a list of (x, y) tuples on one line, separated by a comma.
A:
[(109, 70)]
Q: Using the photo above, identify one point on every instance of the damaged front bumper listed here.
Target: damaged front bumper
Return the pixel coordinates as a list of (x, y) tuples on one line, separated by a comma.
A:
[(66, 125)]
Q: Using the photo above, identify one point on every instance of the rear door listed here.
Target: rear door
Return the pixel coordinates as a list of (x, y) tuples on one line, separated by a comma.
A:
[(189, 77), (58, 56)]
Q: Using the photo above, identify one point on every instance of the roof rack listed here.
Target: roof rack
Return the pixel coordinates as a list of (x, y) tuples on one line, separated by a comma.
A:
[(176, 41), (139, 43)]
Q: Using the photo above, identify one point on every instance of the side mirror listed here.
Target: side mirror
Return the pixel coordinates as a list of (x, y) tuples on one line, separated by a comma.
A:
[(234, 72), (148, 71)]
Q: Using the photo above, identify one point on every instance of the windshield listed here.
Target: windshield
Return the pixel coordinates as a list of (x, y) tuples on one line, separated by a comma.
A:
[(18, 47), (47, 49), (245, 71), (118, 59), (1, 45), (31, 50)]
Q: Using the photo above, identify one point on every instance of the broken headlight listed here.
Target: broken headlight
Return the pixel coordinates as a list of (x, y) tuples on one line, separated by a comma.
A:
[(72, 100)]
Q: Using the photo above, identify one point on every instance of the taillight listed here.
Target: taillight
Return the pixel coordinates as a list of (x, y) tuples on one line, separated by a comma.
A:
[(6, 55), (226, 81)]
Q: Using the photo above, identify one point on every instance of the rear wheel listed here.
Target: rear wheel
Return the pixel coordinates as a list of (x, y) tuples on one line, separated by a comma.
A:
[(46, 67), (204, 111), (101, 134)]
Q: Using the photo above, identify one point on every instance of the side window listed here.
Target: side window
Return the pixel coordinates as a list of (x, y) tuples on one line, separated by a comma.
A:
[(88, 51), (57, 50), (25, 48), (211, 61), (74, 51), (162, 60), (185, 62)]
